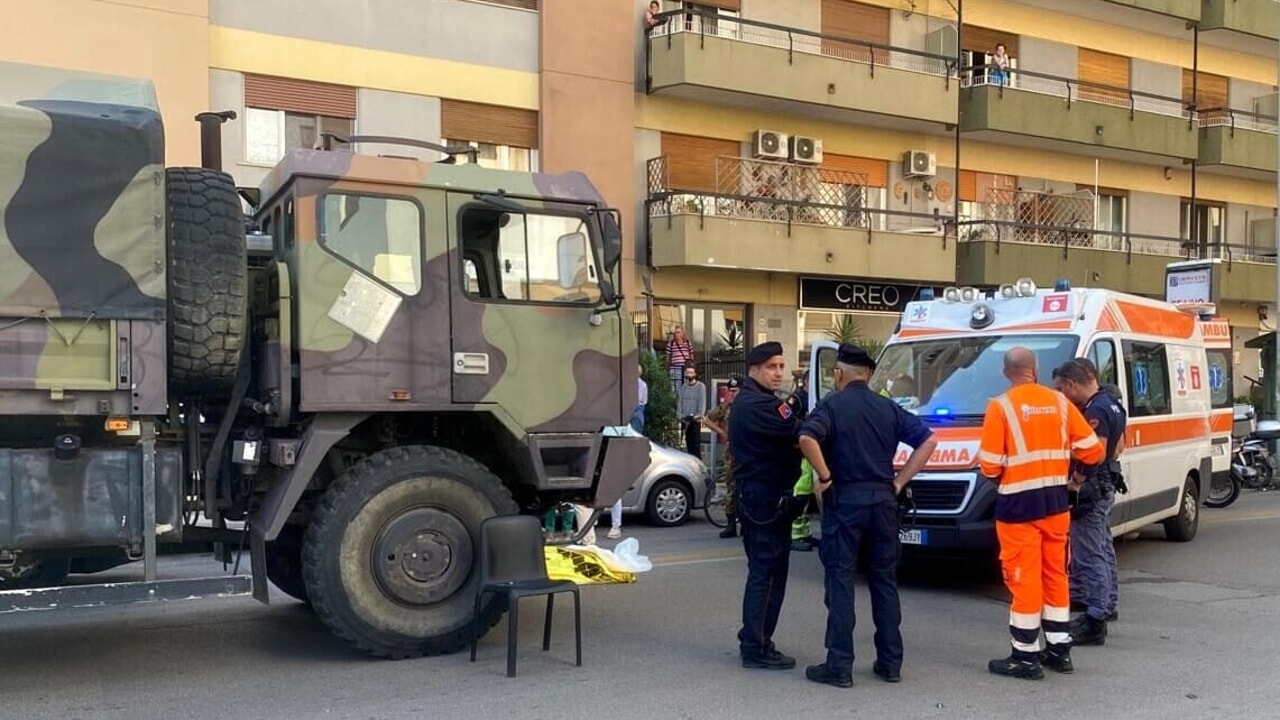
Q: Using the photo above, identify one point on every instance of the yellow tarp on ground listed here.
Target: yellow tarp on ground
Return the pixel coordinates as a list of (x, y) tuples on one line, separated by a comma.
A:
[(583, 566)]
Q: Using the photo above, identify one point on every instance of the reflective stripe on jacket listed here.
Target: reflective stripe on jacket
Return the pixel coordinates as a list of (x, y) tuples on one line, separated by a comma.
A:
[(1029, 436)]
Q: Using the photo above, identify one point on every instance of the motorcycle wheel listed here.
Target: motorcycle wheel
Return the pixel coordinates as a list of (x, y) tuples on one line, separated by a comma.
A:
[(1223, 492)]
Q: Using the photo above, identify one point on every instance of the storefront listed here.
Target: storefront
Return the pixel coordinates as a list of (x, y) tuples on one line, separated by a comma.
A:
[(857, 310)]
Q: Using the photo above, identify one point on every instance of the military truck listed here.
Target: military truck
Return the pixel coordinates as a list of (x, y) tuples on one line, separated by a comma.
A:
[(345, 369)]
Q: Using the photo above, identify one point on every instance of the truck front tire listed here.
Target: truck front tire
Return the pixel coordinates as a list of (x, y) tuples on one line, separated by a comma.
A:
[(389, 559)]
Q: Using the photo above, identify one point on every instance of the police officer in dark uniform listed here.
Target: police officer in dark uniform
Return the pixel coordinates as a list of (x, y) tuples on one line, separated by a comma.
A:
[(850, 439), (1093, 572), (766, 461)]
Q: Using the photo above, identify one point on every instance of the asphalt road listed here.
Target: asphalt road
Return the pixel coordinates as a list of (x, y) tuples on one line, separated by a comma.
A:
[(1195, 639)]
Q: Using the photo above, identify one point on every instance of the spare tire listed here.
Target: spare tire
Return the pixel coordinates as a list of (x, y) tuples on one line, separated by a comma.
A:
[(208, 281)]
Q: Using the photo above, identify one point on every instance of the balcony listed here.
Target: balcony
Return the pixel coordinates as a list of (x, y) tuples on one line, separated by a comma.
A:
[(1182, 9), (1234, 142), (1056, 113), (750, 64), (781, 217), (1251, 17), (1047, 236)]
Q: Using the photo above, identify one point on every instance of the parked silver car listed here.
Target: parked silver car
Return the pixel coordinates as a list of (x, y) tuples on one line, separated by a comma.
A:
[(670, 489)]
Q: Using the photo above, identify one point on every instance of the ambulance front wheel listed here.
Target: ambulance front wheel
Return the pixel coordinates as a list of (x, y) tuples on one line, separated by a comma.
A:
[(1182, 527)]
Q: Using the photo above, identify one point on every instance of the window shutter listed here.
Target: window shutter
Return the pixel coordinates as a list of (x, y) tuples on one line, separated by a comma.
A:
[(691, 161), (299, 96), (875, 171), (489, 124)]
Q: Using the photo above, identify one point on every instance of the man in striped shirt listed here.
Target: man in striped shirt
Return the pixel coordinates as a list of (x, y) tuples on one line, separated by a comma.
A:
[(1029, 436)]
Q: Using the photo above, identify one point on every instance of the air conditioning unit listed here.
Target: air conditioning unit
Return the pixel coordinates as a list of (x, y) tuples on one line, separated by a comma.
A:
[(806, 150), (770, 145), (918, 163)]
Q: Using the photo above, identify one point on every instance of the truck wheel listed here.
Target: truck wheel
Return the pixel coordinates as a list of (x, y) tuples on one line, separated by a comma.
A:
[(31, 573), (389, 559), (1182, 527), (284, 562), (208, 280)]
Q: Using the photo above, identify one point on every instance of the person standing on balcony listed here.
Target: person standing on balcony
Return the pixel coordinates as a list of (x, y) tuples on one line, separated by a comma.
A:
[(679, 355), (691, 406), (1000, 66), (651, 19)]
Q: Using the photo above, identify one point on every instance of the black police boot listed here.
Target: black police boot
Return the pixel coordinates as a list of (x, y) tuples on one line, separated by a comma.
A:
[(1087, 631), (1024, 666), (825, 675), (770, 659), (885, 673), (805, 544), (1057, 658), (730, 531), (1113, 616)]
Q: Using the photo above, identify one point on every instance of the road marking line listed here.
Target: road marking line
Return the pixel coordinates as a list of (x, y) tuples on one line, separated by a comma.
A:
[(1273, 515), (700, 561)]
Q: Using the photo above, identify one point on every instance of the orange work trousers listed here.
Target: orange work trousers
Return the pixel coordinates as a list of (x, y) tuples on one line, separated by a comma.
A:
[(1033, 556)]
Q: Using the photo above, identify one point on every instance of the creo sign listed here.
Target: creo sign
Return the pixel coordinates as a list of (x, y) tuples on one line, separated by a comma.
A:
[(867, 296)]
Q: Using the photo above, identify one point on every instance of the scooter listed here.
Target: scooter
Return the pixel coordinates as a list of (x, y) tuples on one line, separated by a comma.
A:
[(1253, 465)]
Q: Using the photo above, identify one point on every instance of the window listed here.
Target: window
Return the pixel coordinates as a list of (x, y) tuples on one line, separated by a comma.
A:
[(378, 235), (1209, 222), (1103, 356), (270, 134), (498, 157), (529, 257), (1221, 390), (955, 377), (1111, 221), (1147, 378)]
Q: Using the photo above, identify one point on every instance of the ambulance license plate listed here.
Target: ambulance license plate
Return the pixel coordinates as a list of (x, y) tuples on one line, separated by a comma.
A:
[(914, 536)]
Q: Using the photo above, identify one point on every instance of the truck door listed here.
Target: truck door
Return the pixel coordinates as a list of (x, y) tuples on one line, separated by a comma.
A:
[(369, 312), (526, 334)]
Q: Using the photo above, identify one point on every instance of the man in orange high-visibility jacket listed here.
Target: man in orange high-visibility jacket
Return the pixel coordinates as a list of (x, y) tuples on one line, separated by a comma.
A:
[(1029, 436)]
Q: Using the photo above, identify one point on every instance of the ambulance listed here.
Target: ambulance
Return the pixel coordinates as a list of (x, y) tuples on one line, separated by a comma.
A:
[(944, 362)]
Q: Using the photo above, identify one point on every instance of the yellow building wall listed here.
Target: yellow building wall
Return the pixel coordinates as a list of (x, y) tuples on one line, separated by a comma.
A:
[(728, 286), (690, 118), (253, 52), (165, 41)]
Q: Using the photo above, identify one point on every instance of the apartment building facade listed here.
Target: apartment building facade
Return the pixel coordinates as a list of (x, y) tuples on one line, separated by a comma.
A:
[(529, 88), (800, 156), (786, 166)]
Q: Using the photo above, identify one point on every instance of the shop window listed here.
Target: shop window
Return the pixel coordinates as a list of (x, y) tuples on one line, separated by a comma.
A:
[(498, 157), (380, 236), (528, 257), (270, 134)]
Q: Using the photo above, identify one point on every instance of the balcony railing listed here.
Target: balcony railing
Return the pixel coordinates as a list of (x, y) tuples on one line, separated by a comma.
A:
[(1072, 90), (748, 189), (1082, 237), (707, 23), (1237, 120)]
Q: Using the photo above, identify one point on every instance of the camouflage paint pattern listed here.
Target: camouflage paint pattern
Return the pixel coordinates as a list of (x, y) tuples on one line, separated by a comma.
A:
[(82, 243), (550, 368)]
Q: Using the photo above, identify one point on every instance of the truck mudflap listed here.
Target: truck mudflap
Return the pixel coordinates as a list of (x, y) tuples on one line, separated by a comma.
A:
[(123, 593), (624, 456)]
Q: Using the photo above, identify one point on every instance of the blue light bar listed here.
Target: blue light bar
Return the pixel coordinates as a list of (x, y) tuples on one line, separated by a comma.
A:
[(941, 411), (926, 294), (1061, 285)]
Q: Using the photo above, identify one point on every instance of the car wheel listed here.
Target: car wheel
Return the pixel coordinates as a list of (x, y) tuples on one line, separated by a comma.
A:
[(669, 503)]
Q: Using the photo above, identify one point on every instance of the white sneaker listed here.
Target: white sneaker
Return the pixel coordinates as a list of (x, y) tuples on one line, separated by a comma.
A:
[(614, 533)]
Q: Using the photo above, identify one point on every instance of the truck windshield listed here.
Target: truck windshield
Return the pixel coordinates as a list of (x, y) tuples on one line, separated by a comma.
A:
[(957, 376)]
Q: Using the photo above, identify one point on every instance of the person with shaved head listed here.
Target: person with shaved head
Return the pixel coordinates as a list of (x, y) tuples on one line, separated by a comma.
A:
[(1029, 436)]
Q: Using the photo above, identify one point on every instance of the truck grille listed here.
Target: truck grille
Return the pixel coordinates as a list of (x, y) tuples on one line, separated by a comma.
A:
[(939, 495)]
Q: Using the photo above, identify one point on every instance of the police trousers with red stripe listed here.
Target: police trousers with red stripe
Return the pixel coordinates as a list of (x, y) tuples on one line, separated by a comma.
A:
[(1033, 556)]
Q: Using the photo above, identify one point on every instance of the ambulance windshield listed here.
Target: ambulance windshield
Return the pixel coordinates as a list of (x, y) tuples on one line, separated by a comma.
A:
[(955, 377)]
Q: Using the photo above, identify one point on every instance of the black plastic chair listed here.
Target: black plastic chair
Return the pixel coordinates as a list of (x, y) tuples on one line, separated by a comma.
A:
[(512, 564)]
